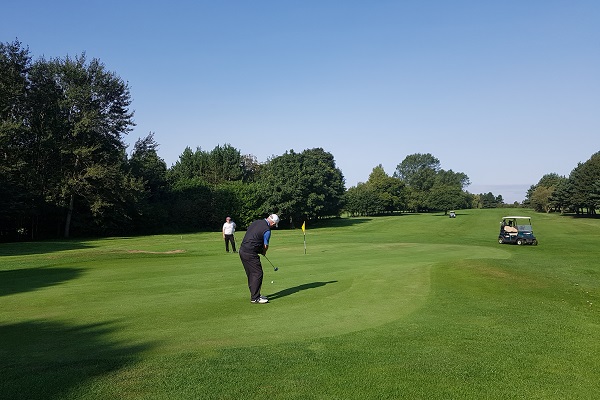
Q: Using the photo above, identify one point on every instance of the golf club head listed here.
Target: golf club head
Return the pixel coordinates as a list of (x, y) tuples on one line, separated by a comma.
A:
[(274, 267)]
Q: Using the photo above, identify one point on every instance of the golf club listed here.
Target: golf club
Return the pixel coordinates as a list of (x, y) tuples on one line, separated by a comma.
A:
[(274, 267)]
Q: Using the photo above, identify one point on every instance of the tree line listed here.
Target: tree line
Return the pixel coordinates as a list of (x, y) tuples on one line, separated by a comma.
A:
[(65, 170), (578, 193)]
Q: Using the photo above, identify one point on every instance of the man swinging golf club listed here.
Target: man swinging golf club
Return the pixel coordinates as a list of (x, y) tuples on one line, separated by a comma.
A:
[(256, 242)]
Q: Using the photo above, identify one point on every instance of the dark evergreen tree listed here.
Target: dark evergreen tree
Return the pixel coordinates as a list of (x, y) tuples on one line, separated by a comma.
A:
[(17, 206), (584, 185), (150, 214)]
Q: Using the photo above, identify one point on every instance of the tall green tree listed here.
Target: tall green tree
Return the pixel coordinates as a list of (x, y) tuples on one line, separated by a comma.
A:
[(584, 183), (389, 190), (362, 200), (431, 188), (251, 167), (380, 194), (488, 200), (446, 198), (15, 201), (150, 214), (447, 191), (560, 197), (550, 180), (220, 182), (451, 178), (540, 199), (225, 165), (190, 201), (281, 187), (301, 186), (323, 184), (91, 115), (539, 196), (221, 164), (418, 172), (241, 200), (190, 165), (145, 163)]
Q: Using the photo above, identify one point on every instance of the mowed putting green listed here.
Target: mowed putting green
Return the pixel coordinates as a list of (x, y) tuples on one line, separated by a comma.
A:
[(414, 306)]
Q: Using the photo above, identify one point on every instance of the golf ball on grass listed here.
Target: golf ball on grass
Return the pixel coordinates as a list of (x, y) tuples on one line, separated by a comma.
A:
[(271, 281)]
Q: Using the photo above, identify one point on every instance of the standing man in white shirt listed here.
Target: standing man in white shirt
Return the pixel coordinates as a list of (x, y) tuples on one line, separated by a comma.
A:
[(228, 231)]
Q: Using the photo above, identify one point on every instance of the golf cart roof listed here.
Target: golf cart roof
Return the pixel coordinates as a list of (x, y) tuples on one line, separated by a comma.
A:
[(516, 217)]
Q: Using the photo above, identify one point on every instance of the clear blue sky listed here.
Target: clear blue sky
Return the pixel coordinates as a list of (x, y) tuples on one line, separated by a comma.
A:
[(504, 91)]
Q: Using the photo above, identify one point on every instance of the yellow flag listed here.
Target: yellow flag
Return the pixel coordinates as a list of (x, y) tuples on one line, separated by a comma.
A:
[(304, 227)]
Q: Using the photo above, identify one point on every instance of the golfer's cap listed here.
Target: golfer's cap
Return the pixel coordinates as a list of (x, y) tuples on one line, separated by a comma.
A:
[(275, 219)]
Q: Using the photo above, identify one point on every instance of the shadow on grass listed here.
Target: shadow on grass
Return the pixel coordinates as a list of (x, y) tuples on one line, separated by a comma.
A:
[(335, 222), (44, 360), (29, 279), (29, 248), (296, 289), (340, 222), (590, 216)]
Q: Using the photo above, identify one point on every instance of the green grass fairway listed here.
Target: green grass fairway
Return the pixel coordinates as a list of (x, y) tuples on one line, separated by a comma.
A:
[(411, 306)]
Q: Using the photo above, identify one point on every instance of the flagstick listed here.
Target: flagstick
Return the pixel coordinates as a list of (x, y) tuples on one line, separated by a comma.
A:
[(305, 243), (304, 233)]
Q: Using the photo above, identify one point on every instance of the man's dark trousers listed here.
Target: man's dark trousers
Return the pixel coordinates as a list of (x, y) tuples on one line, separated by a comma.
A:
[(229, 239), (254, 272)]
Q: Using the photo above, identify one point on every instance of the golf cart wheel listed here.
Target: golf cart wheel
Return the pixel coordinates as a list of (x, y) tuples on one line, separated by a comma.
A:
[(500, 241), (534, 242), (520, 241)]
